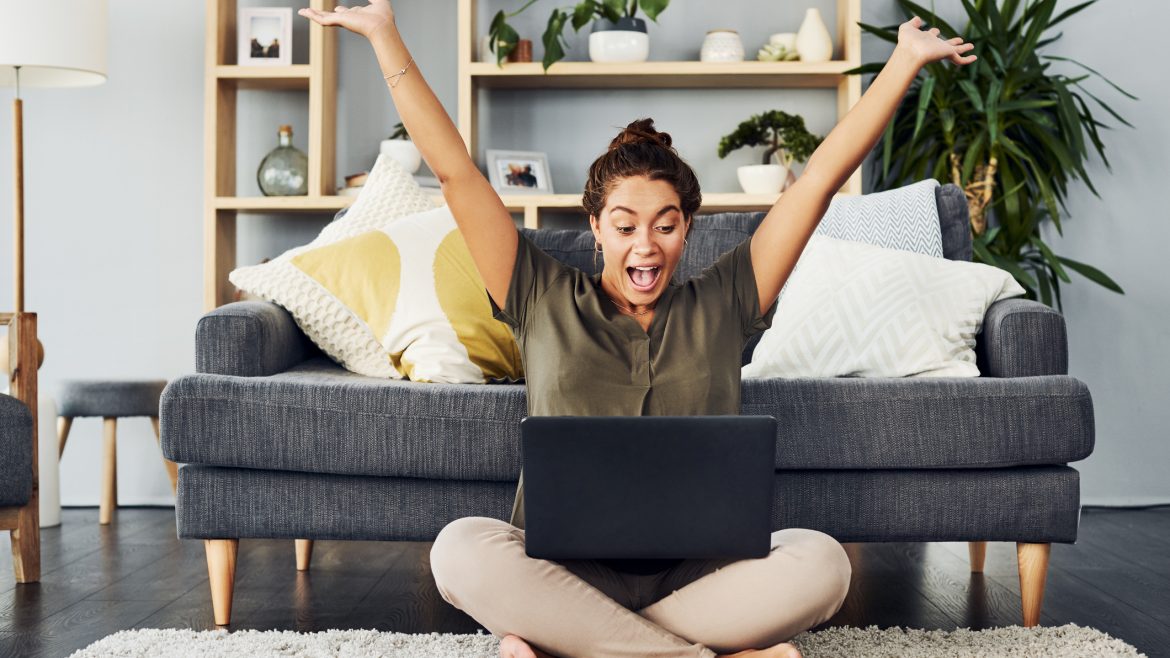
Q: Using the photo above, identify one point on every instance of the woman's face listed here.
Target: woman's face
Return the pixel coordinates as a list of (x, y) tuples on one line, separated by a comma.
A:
[(641, 231)]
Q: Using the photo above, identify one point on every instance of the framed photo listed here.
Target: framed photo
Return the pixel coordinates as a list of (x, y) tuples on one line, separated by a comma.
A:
[(265, 36), (523, 172)]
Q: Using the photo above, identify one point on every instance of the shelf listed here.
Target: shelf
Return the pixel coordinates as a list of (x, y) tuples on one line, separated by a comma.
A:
[(712, 202), (265, 77), (661, 75)]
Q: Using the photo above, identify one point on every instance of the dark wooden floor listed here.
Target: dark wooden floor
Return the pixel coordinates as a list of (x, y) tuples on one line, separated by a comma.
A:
[(136, 574)]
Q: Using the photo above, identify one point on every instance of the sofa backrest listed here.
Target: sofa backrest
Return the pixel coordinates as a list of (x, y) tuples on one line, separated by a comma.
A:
[(714, 235)]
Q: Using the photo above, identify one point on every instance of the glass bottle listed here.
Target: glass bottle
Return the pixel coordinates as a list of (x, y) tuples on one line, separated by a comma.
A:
[(285, 170)]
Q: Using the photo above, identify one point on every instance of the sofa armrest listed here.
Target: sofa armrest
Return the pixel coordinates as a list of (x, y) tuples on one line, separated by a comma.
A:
[(249, 339), (1022, 338)]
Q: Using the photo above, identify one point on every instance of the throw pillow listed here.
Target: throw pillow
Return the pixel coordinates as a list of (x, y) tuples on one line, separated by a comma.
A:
[(390, 290), (857, 310), (904, 218)]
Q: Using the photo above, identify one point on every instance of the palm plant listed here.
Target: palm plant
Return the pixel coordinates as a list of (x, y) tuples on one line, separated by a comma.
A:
[(1006, 129)]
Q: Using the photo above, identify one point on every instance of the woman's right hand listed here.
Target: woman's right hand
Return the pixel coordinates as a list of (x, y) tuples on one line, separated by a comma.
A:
[(365, 21)]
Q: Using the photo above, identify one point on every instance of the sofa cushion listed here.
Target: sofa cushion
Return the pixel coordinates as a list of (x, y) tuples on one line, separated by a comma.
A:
[(15, 451), (320, 418)]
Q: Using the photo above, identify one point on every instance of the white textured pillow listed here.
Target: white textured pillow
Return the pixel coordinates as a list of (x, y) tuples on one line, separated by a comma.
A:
[(390, 290), (857, 310)]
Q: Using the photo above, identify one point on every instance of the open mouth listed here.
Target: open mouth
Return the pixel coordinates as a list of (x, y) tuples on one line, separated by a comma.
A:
[(643, 278)]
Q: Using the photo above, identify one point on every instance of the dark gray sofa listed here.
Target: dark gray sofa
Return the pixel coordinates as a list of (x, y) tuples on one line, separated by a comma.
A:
[(277, 441)]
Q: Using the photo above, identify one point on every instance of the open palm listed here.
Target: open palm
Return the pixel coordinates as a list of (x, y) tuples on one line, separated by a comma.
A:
[(361, 20), (928, 47)]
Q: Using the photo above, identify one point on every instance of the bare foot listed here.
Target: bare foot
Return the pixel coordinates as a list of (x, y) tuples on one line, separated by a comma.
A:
[(782, 650), (513, 646)]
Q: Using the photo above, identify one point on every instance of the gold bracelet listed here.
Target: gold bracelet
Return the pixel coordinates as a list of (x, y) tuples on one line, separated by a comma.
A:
[(398, 76)]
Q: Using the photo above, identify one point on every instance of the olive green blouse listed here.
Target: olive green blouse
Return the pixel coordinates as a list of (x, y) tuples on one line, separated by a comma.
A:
[(584, 357)]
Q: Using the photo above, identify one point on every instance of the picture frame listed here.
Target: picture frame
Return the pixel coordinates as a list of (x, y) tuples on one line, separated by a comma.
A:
[(519, 172), (265, 36)]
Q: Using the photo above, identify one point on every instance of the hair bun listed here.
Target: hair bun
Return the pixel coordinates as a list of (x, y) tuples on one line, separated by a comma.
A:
[(641, 132)]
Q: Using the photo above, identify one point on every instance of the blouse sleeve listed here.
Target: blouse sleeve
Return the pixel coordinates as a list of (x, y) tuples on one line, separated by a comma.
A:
[(532, 274), (733, 280)]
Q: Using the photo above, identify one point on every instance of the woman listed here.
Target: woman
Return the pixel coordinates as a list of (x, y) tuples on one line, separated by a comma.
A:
[(629, 341)]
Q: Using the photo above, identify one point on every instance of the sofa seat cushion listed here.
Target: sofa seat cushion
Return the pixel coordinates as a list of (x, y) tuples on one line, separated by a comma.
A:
[(320, 418), (944, 422)]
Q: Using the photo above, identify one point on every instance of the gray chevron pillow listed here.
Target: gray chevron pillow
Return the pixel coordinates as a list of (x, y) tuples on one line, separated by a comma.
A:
[(905, 218)]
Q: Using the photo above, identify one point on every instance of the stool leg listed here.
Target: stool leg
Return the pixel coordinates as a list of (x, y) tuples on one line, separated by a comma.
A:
[(64, 424), (221, 571), (172, 467), (304, 553), (109, 470)]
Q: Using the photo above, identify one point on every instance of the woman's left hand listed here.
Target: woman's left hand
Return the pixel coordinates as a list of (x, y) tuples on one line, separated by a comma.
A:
[(927, 47)]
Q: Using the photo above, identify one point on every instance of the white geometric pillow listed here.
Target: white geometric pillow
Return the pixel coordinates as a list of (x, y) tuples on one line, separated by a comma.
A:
[(856, 310), (390, 290)]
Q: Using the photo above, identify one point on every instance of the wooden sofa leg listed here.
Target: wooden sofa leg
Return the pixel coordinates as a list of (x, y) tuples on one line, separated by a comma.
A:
[(1033, 560), (304, 554), (221, 570), (26, 542), (978, 550)]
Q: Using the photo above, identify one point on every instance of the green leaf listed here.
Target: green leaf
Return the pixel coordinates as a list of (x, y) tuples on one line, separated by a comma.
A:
[(1093, 274), (1069, 12), (1051, 258), (883, 33), (873, 67), (992, 110), (553, 39), (913, 9), (1107, 81), (972, 93), (1104, 106), (923, 102), (653, 7)]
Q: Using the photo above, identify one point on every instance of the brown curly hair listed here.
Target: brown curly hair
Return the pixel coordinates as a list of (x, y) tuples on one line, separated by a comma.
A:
[(640, 150)]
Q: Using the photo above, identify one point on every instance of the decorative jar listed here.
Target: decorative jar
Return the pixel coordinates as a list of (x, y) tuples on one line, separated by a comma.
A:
[(285, 170), (722, 46)]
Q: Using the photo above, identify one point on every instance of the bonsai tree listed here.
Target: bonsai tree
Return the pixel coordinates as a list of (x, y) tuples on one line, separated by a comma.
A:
[(783, 134), (399, 132), (1013, 131), (505, 37)]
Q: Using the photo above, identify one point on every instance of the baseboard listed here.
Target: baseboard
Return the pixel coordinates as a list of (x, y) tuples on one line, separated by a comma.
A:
[(1124, 501)]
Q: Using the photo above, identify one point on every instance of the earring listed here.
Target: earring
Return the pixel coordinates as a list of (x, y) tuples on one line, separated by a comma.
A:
[(597, 248)]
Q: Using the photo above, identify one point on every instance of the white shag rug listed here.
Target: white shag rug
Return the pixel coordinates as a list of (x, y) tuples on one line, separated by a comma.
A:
[(1068, 641)]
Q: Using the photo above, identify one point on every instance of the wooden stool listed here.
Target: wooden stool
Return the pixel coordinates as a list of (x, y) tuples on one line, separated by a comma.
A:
[(110, 400)]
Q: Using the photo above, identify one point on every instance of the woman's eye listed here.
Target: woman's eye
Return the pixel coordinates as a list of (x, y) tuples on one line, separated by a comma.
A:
[(625, 229), (666, 229)]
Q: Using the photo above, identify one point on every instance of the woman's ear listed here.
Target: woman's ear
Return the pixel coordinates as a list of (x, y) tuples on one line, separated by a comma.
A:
[(595, 226)]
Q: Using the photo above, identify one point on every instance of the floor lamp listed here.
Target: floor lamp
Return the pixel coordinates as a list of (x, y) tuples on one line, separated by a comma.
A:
[(42, 44), (46, 44)]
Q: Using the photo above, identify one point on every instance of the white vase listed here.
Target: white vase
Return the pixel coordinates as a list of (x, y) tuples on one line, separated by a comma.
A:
[(403, 151), (762, 179), (813, 42), (49, 475), (619, 46)]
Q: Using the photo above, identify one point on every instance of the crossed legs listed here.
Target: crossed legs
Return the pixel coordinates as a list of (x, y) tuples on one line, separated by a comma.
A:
[(582, 608)]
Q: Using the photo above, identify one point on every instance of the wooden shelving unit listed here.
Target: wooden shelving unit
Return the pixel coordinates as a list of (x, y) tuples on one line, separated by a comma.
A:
[(223, 79), (474, 76)]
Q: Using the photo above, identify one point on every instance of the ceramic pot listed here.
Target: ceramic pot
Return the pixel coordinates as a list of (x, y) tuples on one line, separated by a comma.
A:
[(813, 41), (403, 151), (722, 46), (762, 179), (624, 41)]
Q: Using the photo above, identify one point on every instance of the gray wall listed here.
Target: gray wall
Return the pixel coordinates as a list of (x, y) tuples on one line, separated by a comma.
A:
[(114, 179)]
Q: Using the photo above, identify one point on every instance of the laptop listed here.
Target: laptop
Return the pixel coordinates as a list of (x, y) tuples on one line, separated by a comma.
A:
[(648, 487)]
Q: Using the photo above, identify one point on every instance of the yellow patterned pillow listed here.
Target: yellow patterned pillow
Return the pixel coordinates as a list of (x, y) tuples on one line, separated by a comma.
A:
[(394, 297)]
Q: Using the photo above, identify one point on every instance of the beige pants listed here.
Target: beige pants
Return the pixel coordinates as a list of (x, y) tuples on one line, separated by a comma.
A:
[(582, 608)]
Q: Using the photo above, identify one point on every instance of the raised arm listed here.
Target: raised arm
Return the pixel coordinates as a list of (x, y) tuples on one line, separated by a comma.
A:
[(788, 226), (483, 220)]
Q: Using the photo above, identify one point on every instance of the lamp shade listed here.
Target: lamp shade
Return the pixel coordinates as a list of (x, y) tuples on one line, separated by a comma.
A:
[(56, 43)]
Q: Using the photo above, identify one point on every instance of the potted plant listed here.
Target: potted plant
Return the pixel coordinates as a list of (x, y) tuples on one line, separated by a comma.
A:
[(399, 147), (1010, 130), (502, 37), (787, 141), (618, 34)]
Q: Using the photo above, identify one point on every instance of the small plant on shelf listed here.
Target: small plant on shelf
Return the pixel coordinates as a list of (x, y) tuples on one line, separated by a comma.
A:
[(786, 141), (503, 37)]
